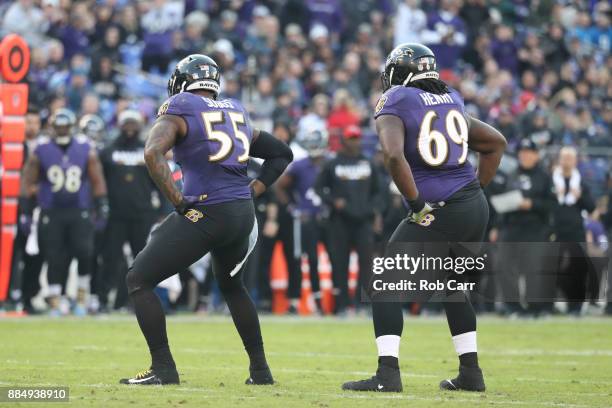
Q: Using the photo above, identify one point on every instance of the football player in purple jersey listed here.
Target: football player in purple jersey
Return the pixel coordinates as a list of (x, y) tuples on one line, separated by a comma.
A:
[(297, 185), (426, 134), (212, 141), (61, 176)]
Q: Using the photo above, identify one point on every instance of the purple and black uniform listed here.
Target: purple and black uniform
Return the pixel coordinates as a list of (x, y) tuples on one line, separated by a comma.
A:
[(436, 148), (436, 139), (64, 182), (64, 197), (304, 174), (213, 155)]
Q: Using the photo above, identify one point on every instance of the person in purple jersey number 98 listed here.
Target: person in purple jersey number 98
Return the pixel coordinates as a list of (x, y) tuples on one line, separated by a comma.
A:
[(60, 176)]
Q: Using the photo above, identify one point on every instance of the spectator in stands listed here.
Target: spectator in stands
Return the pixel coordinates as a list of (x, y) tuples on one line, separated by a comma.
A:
[(475, 14), (445, 34), (317, 116), (23, 17), (504, 50), (159, 23), (343, 114), (410, 21)]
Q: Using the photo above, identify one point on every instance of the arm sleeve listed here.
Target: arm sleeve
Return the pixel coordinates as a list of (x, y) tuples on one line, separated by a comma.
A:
[(276, 154)]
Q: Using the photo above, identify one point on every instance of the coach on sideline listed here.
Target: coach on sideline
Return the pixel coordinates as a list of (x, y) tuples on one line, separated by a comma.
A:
[(573, 197), (350, 185), (134, 204), (529, 223)]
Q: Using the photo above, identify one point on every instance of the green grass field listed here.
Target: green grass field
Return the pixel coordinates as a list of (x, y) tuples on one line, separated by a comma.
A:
[(559, 362)]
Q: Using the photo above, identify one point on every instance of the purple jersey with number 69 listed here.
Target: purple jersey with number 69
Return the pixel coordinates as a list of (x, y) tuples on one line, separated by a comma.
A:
[(214, 153), (436, 140)]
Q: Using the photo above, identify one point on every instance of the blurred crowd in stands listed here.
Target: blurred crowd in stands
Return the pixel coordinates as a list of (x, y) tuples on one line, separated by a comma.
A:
[(537, 70)]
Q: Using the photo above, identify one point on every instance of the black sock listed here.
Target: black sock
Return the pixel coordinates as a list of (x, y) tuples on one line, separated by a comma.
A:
[(469, 359), (257, 357), (388, 361), (152, 322), (246, 321), (162, 358)]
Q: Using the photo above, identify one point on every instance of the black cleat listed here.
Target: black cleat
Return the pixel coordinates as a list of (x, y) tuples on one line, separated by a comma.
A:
[(153, 377), (387, 379), (260, 377), (469, 379)]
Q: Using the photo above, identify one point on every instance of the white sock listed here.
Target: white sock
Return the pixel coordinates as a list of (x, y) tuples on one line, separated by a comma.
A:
[(465, 343), (83, 282), (388, 345), (55, 289)]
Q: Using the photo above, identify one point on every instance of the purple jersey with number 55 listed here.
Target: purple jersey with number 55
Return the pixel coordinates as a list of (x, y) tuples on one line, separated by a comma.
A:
[(214, 153), (436, 140)]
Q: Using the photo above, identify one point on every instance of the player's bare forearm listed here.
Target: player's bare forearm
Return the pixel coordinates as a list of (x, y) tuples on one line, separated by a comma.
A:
[(487, 167), (490, 144), (162, 138), (391, 134), (402, 176), (30, 172), (96, 175)]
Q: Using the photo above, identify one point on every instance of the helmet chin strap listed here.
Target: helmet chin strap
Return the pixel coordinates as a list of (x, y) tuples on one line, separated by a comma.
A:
[(407, 80)]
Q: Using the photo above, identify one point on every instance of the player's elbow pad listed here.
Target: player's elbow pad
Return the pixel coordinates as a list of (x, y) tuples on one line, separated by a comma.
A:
[(276, 154)]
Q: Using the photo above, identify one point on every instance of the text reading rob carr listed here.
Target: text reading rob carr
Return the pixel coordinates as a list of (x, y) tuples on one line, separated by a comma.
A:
[(404, 263)]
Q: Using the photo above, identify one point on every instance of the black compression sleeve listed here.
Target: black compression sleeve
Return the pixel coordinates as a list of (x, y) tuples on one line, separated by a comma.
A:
[(276, 154)]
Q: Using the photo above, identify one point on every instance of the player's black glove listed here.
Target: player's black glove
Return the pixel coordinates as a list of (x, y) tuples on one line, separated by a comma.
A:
[(184, 205)]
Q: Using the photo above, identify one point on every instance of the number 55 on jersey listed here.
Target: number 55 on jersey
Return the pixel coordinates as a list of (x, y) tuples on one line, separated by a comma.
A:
[(215, 149)]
